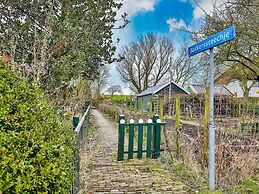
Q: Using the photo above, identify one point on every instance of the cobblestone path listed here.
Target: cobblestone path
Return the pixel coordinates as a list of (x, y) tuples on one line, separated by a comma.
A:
[(102, 173)]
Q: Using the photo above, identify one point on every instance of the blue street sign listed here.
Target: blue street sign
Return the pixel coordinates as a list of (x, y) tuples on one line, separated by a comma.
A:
[(215, 40)]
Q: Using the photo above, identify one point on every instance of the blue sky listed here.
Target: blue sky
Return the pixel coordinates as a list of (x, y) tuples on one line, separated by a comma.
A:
[(163, 17), (156, 21)]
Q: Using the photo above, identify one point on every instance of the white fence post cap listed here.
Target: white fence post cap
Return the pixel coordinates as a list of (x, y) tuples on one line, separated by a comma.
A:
[(122, 121), (131, 121), (140, 121), (158, 121), (149, 120)]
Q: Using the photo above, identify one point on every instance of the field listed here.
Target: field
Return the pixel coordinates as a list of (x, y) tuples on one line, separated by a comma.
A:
[(117, 97)]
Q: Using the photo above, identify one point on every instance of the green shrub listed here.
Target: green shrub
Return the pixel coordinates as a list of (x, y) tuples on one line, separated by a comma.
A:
[(36, 145)]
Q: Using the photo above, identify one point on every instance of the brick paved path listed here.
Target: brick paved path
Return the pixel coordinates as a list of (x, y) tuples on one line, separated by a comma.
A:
[(102, 173)]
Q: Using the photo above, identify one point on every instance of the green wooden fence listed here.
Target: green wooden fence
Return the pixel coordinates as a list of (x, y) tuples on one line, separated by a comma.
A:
[(148, 133), (80, 130)]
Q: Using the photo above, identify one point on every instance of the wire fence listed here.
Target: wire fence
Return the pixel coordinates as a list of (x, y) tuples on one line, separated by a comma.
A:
[(237, 134), (186, 132)]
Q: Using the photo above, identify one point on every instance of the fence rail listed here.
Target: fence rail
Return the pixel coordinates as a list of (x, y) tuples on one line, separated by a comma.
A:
[(80, 130)]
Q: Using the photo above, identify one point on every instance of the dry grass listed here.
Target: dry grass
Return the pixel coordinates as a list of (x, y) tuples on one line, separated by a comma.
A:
[(236, 158)]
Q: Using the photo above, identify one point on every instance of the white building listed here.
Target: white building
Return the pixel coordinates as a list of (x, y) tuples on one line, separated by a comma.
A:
[(235, 88)]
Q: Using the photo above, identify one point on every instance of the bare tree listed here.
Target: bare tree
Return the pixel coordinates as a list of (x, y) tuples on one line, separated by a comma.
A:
[(239, 58), (243, 50), (114, 89), (185, 68), (146, 62), (102, 80)]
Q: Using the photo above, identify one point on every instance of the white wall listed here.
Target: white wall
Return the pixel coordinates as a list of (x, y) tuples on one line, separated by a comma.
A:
[(235, 88)]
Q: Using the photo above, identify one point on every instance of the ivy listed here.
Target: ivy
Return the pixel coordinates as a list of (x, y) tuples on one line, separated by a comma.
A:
[(36, 145)]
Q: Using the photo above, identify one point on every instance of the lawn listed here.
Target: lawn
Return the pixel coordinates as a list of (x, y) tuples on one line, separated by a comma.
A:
[(117, 97)]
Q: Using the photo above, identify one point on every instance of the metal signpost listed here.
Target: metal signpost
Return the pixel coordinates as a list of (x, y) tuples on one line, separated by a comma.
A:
[(209, 43)]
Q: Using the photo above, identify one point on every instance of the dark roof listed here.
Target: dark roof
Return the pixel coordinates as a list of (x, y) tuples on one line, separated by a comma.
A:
[(218, 89), (157, 88)]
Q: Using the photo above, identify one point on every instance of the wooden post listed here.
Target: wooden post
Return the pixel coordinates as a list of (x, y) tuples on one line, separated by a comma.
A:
[(142, 106), (126, 103), (177, 123), (161, 109), (239, 108), (242, 126), (170, 94), (206, 125), (136, 105), (140, 138), (131, 104), (150, 107)]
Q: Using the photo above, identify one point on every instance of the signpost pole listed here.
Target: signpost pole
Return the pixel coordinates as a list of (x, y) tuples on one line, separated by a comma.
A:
[(209, 43), (211, 125)]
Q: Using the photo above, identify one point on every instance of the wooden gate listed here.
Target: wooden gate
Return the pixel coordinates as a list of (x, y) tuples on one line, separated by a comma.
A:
[(147, 136)]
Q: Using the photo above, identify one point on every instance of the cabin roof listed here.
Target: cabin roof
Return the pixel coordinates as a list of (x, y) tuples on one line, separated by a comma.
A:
[(218, 89), (155, 89)]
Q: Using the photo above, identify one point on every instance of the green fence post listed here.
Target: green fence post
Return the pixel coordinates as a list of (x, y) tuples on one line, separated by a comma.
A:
[(121, 137), (131, 139), (78, 135), (140, 138), (155, 117), (158, 139), (75, 121), (149, 138)]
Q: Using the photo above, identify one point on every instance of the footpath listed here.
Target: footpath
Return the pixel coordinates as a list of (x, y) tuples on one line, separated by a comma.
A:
[(102, 173)]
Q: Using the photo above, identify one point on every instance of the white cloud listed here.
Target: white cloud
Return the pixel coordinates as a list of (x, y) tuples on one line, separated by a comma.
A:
[(132, 7), (204, 5), (199, 6), (176, 25)]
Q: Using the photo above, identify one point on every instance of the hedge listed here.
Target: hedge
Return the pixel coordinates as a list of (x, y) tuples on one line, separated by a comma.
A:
[(36, 145)]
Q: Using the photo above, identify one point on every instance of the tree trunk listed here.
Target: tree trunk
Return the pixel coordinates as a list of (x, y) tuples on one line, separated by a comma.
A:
[(245, 88)]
